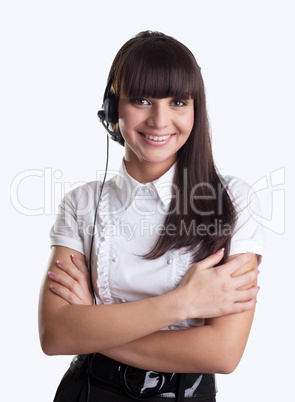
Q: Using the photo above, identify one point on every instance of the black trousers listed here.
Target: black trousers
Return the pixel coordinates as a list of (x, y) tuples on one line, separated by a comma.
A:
[(78, 386)]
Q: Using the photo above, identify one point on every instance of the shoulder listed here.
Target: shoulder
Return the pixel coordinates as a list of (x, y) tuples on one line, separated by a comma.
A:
[(240, 192), (235, 185), (82, 191), (248, 233), (86, 194)]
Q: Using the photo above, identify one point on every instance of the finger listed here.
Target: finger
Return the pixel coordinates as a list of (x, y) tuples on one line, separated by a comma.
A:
[(210, 261), (72, 271), (247, 294), (65, 294), (84, 270), (233, 265), (80, 265), (67, 282), (245, 279), (244, 306)]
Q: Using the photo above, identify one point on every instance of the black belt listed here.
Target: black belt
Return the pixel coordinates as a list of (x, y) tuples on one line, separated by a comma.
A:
[(141, 384)]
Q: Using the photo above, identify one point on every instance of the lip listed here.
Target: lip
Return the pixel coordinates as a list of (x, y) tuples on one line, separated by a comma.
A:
[(155, 142)]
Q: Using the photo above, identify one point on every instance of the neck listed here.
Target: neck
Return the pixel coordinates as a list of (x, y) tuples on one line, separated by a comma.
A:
[(147, 172)]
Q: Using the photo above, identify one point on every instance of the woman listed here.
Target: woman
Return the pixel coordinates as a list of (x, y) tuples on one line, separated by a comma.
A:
[(174, 252)]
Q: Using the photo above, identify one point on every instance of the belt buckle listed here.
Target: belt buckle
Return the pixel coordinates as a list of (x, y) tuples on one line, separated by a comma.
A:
[(142, 384)]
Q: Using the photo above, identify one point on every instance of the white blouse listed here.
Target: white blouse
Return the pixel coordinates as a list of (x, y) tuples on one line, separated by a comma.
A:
[(130, 217)]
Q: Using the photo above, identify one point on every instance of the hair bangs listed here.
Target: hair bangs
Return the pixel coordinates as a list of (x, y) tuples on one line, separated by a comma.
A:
[(157, 69)]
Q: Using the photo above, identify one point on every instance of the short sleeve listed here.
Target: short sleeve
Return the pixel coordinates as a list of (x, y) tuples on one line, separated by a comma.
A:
[(74, 218), (248, 233)]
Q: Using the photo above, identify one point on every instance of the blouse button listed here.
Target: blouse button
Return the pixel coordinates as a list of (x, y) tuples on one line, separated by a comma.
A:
[(115, 259), (169, 261), (123, 300)]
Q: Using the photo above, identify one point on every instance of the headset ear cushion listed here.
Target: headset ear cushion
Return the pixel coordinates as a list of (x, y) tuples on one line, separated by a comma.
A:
[(101, 115), (111, 110)]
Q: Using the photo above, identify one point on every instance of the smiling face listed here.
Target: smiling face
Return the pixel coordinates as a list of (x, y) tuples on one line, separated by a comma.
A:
[(158, 85), (154, 129)]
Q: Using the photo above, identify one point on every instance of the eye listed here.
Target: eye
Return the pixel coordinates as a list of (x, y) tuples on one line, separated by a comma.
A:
[(178, 103), (140, 101)]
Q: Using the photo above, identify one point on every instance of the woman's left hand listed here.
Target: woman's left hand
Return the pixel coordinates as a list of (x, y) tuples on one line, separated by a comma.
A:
[(72, 282)]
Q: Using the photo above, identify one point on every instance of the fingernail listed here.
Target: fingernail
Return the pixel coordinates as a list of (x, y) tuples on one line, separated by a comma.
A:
[(51, 274), (74, 257), (53, 287), (258, 288), (221, 251), (60, 263), (258, 272)]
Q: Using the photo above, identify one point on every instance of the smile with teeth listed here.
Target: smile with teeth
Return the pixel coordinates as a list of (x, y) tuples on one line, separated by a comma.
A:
[(156, 137)]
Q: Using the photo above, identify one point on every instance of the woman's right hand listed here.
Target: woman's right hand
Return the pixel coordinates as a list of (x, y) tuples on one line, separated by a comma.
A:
[(208, 291)]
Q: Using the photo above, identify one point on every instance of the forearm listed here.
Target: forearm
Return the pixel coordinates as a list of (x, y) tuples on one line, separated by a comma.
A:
[(65, 330), (215, 348), (168, 351)]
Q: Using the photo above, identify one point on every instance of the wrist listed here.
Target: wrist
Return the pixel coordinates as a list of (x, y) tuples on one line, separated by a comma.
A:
[(179, 305), (168, 308)]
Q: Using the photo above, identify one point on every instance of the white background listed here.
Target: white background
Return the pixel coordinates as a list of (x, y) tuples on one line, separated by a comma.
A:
[(55, 57)]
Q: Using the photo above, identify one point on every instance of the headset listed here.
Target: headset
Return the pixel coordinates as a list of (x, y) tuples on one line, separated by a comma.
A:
[(109, 112)]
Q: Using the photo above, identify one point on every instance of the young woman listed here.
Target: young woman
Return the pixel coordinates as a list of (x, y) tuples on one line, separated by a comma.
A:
[(173, 252)]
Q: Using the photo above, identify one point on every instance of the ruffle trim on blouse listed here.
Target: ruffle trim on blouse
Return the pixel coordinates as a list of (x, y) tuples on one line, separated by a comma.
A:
[(182, 265), (103, 247)]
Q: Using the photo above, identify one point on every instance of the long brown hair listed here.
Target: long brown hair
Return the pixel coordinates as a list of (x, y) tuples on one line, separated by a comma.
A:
[(156, 65)]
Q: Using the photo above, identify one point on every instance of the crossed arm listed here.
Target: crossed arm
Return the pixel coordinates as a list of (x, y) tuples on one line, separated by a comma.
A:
[(131, 332)]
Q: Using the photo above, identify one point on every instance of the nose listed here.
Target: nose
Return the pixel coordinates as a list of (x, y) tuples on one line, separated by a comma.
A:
[(159, 115)]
